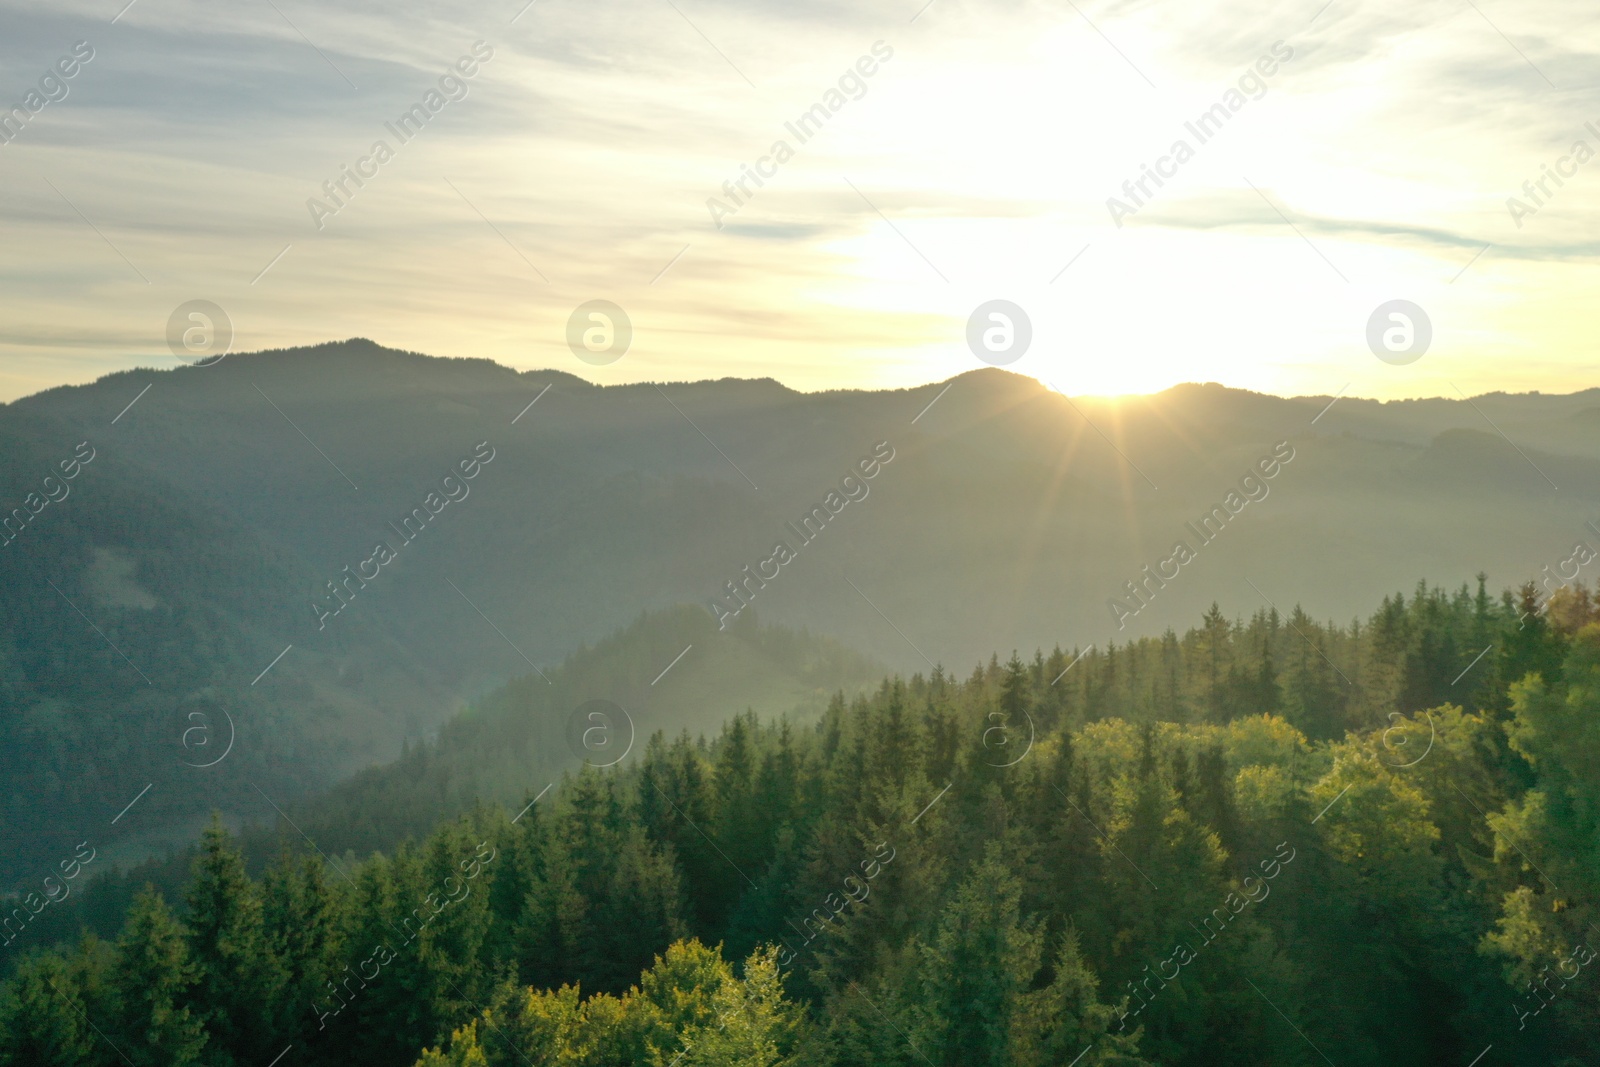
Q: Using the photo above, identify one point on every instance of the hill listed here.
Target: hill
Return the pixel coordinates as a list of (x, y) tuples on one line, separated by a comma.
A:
[(134, 614), (318, 498), (665, 673)]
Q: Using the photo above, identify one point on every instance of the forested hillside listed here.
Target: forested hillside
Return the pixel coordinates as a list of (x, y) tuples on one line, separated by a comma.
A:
[(670, 670), (1266, 841), (134, 614), (309, 511), (602, 501)]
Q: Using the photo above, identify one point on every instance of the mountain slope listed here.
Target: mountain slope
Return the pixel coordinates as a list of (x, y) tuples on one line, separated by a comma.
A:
[(133, 616), (667, 671), (223, 506), (599, 707)]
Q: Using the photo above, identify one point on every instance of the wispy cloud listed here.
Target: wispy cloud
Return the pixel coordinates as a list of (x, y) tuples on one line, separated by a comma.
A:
[(992, 141)]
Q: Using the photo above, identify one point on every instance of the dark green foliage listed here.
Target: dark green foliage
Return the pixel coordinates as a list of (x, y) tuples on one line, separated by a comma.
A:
[(153, 983), (45, 1019), (1186, 880), (241, 979)]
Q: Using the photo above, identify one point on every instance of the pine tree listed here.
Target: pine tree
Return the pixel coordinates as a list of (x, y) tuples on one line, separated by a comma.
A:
[(239, 994), (779, 792), (893, 746), (554, 925), (456, 872), (1014, 689), (375, 996), (301, 923), (676, 802), (1268, 697), (1532, 645), (1066, 1023), (736, 824), (975, 973), (153, 986), (638, 913), (1213, 806), (44, 1020), (1315, 701)]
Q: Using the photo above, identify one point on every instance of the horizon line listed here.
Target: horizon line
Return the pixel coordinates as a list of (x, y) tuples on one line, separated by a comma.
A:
[(1045, 387)]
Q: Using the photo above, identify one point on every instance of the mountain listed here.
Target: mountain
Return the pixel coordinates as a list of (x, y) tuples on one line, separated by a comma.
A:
[(316, 503), (666, 672), (669, 672), (134, 614)]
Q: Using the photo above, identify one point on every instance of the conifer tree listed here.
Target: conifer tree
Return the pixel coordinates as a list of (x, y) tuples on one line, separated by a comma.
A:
[(1065, 1022), (1314, 700), (302, 923), (241, 981), (153, 985), (44, 1019), (975, 972)]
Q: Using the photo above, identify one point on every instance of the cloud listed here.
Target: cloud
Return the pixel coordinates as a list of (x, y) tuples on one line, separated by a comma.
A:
[(589, 144)]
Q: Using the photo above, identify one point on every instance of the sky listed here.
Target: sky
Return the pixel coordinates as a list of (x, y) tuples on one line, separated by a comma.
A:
[(984, 158)]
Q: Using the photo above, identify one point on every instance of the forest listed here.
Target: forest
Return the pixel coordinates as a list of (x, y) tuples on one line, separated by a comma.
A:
[(1270, 840), (148, 603)]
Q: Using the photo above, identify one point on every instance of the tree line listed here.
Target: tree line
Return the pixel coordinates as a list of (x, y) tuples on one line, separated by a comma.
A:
[(1049, 862)]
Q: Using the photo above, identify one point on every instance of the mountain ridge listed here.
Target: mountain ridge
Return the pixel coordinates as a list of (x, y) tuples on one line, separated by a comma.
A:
[(1008, 517), (353, 345)]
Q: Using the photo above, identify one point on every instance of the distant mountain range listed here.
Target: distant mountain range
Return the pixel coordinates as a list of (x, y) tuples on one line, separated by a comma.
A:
[(286, 549)]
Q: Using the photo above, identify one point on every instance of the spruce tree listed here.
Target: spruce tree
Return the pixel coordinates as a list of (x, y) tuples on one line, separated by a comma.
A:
[(301, 922), (975, 972), (241, 980), (153, 985), (44, 1020)]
